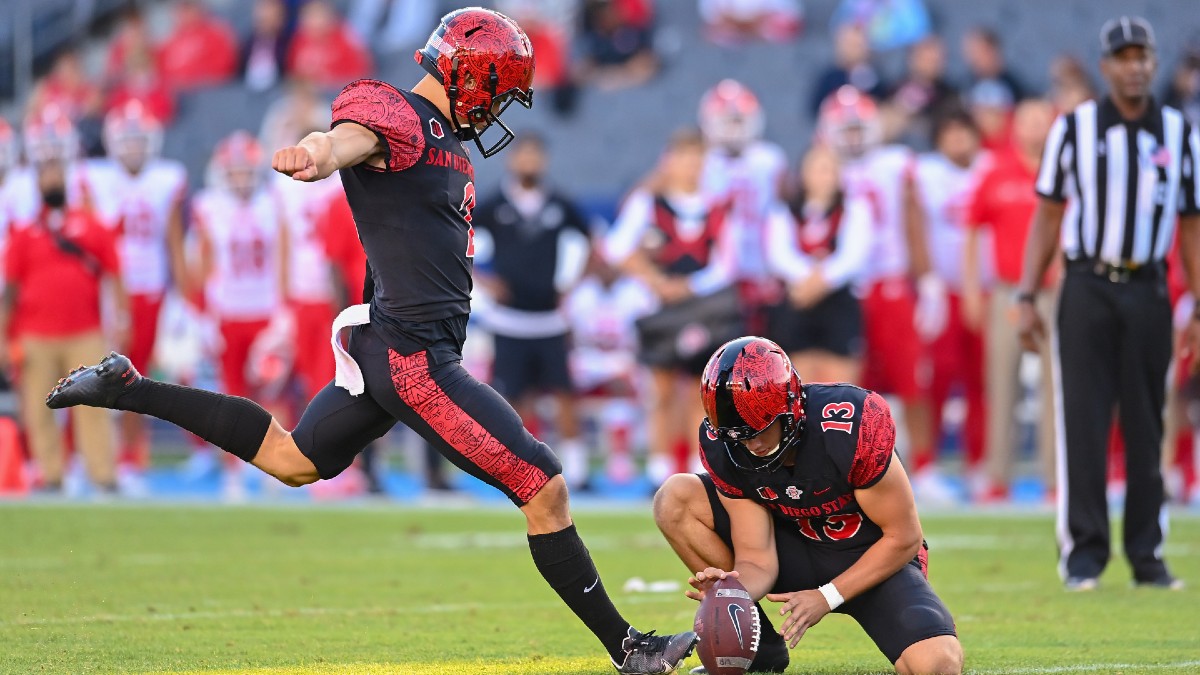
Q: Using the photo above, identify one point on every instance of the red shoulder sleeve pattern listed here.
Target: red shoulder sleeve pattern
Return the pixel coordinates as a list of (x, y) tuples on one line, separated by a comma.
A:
[(381, 108), (722, 486), (876, 442)]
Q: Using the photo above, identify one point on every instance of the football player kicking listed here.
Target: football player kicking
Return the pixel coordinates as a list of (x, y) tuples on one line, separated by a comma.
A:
[(806, 504), (409, 180)]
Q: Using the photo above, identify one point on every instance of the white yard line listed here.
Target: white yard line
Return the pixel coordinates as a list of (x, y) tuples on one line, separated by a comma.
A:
[(1090, 668)]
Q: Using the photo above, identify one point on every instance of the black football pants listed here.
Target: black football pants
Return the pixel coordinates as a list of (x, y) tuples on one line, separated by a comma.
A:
[(1113, 348)]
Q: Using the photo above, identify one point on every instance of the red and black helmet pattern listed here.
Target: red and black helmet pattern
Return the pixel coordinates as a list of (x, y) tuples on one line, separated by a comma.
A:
[(485, 62), (748, 384)]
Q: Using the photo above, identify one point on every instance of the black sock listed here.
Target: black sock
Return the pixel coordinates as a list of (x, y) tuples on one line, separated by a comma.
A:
[(232, 423), (567, 566)]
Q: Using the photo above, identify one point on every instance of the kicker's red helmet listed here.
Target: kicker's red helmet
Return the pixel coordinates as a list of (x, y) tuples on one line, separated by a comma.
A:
[(485, 62), (747, 385), (849, 122), (730, 115)]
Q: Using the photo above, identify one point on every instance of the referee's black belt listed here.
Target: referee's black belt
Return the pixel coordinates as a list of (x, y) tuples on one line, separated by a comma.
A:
[(1119, 274)]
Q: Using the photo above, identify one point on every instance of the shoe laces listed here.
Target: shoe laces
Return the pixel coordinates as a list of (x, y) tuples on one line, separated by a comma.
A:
[(647, 642)]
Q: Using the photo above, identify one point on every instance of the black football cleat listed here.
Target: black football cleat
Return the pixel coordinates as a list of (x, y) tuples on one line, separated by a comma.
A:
[(772, 657), (98, 386), (650, 654)]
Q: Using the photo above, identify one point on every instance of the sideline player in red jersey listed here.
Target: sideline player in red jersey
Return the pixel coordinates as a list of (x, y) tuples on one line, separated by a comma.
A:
[(806, 504), (409, 181)]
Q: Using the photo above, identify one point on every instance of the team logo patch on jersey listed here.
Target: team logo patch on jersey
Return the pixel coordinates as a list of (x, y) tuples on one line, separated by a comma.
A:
[(768, 494), (793, 492), (435, 129)]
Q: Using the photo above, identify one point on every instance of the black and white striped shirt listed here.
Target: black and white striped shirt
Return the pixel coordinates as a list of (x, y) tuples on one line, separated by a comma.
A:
[(1125, 182)]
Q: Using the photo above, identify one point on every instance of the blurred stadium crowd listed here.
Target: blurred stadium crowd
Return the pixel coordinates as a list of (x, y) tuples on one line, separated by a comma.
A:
[(884, 254)]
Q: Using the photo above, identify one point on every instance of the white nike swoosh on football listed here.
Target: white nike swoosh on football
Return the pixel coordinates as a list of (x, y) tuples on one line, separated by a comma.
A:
[(589, 588)]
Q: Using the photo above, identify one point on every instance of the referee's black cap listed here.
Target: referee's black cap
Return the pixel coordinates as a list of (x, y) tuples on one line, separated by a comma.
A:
[(1125, 31)]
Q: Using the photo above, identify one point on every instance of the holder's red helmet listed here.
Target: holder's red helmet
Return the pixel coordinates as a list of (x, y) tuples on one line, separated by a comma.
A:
[(747, 385), (485, 62)]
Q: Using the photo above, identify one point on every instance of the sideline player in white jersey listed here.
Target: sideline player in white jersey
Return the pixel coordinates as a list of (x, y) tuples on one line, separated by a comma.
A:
[(142, 196), (903, 300), (942, 185), (310, 291), (747, 172), (242, 266), (602, 309)]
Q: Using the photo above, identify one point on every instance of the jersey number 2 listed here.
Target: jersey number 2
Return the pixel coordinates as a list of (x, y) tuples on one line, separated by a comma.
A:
[(468, 205), (842, 413)]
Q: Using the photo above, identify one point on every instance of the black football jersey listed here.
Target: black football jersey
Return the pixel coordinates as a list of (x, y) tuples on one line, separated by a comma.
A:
[(846, 445), (414, 216)]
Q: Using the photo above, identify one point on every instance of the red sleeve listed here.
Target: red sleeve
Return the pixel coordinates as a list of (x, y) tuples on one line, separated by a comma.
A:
[(381, 108), (977, 207), (14, 260), (876, 443), (104, 246)]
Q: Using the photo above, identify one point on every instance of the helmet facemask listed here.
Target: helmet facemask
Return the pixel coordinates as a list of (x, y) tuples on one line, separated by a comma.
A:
[(481, 118)]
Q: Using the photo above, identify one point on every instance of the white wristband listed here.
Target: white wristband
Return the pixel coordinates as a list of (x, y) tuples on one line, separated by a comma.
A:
[(832, 596)]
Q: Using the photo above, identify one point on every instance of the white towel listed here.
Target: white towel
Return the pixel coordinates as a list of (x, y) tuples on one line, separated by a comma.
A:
[(348, 375)]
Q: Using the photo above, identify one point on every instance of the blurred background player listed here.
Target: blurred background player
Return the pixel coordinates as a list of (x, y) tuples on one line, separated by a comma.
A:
[(1002, 205), (531, 248), (903, 300), (63, 246), (938, 192), (310, 289), (241, 266), (821, 252), (747, 172), (602, 310), (674, 236), (143, 195)]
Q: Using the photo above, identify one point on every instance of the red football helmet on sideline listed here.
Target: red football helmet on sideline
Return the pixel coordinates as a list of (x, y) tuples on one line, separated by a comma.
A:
[(730, 115), (849, 122), (485, 62), (8, 147), (747, 384), (237, 164), (50, 136), (132, 135)]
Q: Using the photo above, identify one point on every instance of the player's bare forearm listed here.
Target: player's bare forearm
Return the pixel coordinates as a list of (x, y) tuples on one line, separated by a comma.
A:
[(914, 231), (889, 504), (321, 153), (756, 577), (1041, 244)]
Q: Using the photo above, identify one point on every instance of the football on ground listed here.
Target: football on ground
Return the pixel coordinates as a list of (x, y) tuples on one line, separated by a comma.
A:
[(728, 626)]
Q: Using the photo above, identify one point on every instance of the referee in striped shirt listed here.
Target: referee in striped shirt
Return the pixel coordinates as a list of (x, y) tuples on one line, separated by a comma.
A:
[(1115, 178)]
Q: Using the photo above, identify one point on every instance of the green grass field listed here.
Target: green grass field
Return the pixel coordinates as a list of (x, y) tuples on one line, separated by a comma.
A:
[(156, 589)]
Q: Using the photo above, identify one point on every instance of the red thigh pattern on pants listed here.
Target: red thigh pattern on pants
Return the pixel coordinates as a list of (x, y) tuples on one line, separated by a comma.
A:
[(238, 337), (893, 350), (143, 319)]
